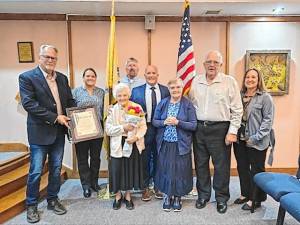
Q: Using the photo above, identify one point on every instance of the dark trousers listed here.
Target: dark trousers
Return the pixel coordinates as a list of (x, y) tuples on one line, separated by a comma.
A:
[(209, 141), (89, 172), (149, 155), (249, 162), (38, 155)]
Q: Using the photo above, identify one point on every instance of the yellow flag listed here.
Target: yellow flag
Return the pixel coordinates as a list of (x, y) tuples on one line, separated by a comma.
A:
[(112, 76)]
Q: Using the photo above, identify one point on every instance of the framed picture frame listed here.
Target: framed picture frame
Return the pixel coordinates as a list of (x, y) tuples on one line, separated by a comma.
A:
[(274, 65), (25, 52), (84, 124)]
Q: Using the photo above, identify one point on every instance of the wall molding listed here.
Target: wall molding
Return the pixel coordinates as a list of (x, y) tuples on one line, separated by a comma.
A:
[(66, 17), (32, 16)]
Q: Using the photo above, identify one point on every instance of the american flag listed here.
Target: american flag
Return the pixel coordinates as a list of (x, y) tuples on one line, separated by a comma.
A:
[(186, 60)]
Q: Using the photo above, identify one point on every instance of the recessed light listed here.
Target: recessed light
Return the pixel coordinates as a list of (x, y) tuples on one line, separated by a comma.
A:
[(278, 10)]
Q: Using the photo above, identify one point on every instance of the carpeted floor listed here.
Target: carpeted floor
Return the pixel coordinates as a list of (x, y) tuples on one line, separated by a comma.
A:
[(95, 211), (8, 155)]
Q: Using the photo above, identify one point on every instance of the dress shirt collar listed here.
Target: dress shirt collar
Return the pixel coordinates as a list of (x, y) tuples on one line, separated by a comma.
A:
[(46, 74), (149, 86), (218, 79), (131, 80)]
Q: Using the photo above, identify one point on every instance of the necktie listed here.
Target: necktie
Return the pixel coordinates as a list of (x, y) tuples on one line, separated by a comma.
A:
[(154, 101)]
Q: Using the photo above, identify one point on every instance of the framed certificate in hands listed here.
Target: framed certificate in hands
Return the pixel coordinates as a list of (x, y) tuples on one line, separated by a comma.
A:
[(84, 124)]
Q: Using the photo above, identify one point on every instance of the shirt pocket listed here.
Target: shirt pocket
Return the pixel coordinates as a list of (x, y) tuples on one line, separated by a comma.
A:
[(256, 111), (219, 98), (257, 106)]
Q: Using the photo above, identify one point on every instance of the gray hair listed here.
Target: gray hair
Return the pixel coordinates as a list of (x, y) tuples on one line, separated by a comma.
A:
[(46, 46), (120, 87), (131, 59), (218, 53), (175, 81)]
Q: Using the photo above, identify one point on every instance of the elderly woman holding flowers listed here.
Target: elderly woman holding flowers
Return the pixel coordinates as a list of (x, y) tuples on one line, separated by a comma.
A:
[(126, 126)]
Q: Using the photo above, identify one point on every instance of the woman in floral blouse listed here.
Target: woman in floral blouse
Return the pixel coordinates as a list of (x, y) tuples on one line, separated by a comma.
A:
[(175, 118)]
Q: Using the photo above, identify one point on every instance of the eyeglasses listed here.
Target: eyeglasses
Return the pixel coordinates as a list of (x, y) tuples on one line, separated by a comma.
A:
[(47, 57), (209, 62)]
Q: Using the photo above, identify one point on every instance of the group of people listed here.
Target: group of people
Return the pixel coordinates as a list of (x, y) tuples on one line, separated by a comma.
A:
[(156, 149)]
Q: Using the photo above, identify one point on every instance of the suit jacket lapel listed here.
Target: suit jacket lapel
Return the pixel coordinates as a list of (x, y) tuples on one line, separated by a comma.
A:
[(40, 77), (162, 94), (144, 105), (144, 95)]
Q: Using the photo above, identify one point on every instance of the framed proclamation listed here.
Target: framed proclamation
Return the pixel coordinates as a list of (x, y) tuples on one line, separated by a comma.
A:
[(25, 52), (84, 124)]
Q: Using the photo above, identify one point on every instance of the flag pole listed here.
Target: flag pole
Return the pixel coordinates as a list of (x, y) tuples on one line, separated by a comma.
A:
[(111, 77)]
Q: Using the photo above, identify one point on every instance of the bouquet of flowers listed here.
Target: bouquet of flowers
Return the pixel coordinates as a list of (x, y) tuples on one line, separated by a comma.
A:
[(133, 115)]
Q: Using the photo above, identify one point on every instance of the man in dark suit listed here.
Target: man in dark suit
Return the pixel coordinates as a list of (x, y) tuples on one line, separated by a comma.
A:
[(148, 96), (45, 95)]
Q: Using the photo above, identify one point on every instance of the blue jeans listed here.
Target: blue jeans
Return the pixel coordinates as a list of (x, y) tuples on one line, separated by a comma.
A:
[(38, 154)]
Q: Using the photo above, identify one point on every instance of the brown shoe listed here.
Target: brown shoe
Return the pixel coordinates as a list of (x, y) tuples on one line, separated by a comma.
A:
[(146, 196)]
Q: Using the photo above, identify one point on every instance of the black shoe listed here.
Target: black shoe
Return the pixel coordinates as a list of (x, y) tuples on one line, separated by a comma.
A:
[(117, 203), (56, 206), (167, 203), (129, 204), (87, 192), (201, 203), (95, 187), (239, 201), (177, 205), (248, 207), (32, 214), (221, 207)]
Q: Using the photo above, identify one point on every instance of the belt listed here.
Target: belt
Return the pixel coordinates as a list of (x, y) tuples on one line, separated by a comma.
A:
[(211, 123)]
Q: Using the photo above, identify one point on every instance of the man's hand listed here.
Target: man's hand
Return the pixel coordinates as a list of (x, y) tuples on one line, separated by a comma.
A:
[(63, 120), (128, 127), (131, 140), (230, 138)]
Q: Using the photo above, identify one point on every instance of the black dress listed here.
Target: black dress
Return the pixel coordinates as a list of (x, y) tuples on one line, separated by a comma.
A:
[(126, 173)]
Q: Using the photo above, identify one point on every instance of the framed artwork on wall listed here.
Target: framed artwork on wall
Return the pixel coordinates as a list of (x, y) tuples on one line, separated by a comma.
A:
[(25, 52), (274, 66)]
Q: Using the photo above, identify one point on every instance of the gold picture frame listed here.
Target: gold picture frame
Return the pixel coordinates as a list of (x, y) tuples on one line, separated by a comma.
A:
[(25, 52), (84, 124), (274, 65)]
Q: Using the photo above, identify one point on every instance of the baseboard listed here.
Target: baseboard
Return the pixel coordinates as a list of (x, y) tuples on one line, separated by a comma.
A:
[(233, 172)]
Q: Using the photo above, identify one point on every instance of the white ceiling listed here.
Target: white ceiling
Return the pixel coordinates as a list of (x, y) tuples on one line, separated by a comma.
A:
[(150, 7)]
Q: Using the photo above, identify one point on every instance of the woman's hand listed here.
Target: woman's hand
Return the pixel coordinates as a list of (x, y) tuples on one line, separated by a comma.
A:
[(171, 121), (131, 140), (128, 127), (230, 138)]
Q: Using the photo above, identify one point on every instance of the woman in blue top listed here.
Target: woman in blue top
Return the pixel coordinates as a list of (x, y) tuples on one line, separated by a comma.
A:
[(89, 95), (254, 136), (175, 118)]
